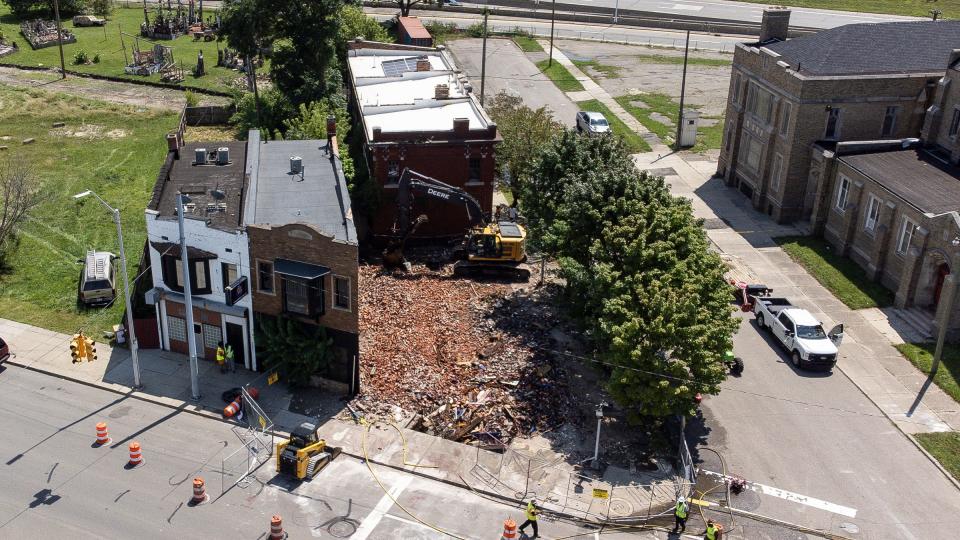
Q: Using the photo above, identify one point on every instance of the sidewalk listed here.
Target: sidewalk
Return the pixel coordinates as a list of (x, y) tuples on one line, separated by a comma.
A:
[(744, 238), (511, 477)]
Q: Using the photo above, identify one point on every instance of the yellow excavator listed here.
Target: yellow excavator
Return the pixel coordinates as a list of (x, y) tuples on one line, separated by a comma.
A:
[(495, 248), (304, 454)]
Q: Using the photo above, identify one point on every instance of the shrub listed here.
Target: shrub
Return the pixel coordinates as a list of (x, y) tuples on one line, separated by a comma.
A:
[(475, 30), (80, 57), (193, 99), (100, 7), (96, 58)]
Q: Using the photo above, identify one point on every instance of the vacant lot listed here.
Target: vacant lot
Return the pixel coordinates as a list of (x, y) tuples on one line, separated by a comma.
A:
[(106, 42), (918, 8), (113, 149)]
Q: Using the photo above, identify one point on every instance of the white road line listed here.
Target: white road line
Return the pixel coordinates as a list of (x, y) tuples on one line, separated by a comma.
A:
[(370, 522), (795, 497)]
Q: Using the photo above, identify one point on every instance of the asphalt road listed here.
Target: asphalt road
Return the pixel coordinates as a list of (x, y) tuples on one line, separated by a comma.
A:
[(58, 484), (817, 436), (733, 11)]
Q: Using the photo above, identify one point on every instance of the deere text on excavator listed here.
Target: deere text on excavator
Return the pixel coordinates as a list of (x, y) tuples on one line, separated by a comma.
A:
[(304, 454), (491, 247)]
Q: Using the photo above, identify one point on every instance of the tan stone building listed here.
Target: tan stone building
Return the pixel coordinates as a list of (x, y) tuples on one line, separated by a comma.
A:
[(894, 206), (850, 83)]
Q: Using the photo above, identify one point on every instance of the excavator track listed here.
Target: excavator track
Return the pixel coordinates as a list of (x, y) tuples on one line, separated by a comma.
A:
[(513, 272)]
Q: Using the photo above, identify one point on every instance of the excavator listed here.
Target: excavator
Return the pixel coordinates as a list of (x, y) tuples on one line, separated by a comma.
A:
[(494, 248)]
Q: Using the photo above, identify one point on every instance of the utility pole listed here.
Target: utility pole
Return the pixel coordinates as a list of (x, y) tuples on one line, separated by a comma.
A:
[(553, 18), (683, 89), (63, 64), (483, 58), (188, 303), (616, 10)]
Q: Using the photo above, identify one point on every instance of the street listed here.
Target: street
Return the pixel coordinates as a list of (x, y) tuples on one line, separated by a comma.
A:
[(58, 483), (817, 435)]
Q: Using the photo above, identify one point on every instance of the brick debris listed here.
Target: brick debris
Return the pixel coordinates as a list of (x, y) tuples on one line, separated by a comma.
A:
[(456, 358)]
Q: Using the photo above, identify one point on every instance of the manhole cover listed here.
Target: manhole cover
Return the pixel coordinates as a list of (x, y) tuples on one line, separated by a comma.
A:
[(620, 508), (849, 527)]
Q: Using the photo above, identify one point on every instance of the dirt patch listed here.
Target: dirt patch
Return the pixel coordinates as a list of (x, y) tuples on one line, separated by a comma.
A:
[(707, 86), (88, 131)]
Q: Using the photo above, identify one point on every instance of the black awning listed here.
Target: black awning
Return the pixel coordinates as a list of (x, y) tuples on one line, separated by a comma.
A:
[(299, 269), (172, 249)]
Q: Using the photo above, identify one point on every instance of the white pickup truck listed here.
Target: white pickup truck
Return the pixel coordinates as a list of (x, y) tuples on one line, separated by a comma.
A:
[(799, 332)]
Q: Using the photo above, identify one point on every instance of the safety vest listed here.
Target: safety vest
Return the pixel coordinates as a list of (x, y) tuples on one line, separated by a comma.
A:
[(712, 532), (220, 354), (228, 352), (681, 510), (531, 511)]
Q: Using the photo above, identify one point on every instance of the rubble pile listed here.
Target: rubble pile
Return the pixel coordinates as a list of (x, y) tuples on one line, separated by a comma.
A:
[(456, 358)]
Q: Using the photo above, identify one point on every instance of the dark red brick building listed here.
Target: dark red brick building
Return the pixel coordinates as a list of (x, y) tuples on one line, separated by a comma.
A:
[(417, 111)]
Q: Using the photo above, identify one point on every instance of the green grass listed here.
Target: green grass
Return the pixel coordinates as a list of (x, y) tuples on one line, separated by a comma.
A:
[(105, 41), (708, 138), (609, 72), (118, 159), (560, 76), (691, 60), (921, 356), (918, 8), (527, 43), (945, 447), (847, 281), (634, 142), (507, 194)]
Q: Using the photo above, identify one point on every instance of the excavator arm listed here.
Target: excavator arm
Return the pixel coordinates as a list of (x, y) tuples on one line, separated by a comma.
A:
[(412, 182)]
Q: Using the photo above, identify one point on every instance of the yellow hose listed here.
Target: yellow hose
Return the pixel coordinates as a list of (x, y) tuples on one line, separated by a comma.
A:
[(366, 458)]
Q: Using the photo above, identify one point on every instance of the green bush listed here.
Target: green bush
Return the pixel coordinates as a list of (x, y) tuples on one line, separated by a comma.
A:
[(475, 30), (96, 58), (28, 8), (80, 57), (295, 349), (100, 7), (193, 99)]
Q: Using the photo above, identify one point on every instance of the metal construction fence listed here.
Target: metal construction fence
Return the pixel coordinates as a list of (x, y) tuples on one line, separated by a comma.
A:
[(561, 489), (257, 444)]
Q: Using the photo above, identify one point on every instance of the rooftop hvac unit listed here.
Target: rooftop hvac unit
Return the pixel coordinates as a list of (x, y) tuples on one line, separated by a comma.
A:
[(296, 164), (223, 155), (200, 156)]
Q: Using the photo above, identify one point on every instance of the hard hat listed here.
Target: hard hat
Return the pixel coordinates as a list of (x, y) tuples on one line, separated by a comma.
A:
[(681, 499)]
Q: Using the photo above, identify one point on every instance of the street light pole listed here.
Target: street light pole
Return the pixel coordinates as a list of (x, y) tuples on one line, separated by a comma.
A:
[(188, 302), (553, 18), (616, 10), (483, 58), (946, 311), (683, 89), (134, 346)]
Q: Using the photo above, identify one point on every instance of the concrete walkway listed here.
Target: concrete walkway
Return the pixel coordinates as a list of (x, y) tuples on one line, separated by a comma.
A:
[(511, 476), (744, 238), (592, 90)]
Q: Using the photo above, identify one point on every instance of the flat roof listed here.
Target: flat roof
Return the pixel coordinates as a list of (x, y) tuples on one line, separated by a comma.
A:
[(317, 197), (216, 192), (395, 97), (414, 27), (913, 175)]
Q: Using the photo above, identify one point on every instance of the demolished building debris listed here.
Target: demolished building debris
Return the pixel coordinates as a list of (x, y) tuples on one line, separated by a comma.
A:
[(463, 360)]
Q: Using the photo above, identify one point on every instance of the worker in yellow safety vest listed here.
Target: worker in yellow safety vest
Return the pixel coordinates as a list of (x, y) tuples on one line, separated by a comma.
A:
[(221, 357), (713, 532), (680, 515), (532, 512)]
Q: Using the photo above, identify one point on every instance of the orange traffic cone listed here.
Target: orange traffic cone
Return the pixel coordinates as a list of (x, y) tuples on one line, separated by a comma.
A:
[(509, 530), (199, 492), (276, 528), (232, 408), (136, 458), (102, 436)]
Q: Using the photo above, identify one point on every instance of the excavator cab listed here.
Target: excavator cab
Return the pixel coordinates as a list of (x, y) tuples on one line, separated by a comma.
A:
[(483, 244)]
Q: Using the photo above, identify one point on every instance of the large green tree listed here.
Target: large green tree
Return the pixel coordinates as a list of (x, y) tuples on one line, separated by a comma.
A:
[(25, 8), (638, 271), (526, 132)]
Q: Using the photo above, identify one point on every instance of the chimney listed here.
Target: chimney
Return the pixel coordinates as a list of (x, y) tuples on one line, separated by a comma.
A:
[(954, 56), (173, 144), (377, 131), (423, 63), (461, 126), (775, 24), (332, 146), (441, 91)]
